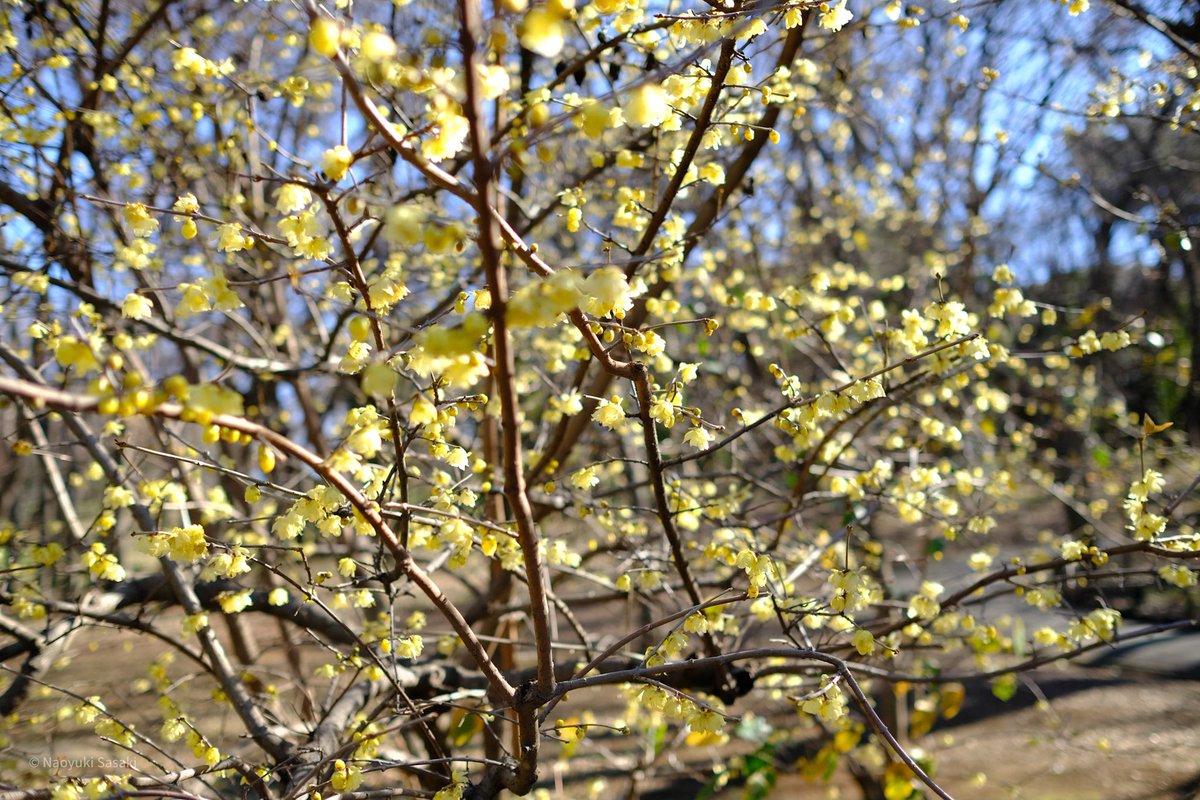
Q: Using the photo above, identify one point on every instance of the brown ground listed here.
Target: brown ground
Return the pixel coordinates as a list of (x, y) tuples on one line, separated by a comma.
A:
[(1107, 739), (1097, 735)]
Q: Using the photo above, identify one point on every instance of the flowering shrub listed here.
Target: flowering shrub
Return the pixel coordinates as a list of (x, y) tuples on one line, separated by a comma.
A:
[(393, 373)]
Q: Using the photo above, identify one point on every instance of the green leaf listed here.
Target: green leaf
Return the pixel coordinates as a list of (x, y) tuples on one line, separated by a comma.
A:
[(660, 738), (466, 728), (1004, 687), (760, 773), (760, 759), (760, 788), (832, 760)]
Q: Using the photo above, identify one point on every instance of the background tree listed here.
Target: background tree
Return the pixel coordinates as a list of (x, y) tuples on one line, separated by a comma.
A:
[(405, 377)]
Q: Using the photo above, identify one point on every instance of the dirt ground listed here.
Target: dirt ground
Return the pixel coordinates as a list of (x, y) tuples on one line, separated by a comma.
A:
[(1073, 733), (1089, 736)]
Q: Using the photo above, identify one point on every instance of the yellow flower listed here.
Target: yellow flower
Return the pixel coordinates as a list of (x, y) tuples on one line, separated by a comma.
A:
[(102, 564), (234, 602), (924, 605), (756, 27), (186, 204), (208, 397), (377, 47), (173, 729), (698, 437), (451, 791), (323, 36), (585, 478), (713, 173), (72, 352), (187, 543), (540, 303), (1115, 340), (446, 342), (606, 290), (230, 238), (828, 702), (47, 555), (1178, 575), (593, 118), (357, 354), (574, 219), (610, 413), (979, 561), (136, 306), (557, 552), (228, 564), (266, 458), (291, 198), (404, 224), (345, 778), (543, 32), (88, 710), (378, 379), (863, 642), (194, 301), (336, 161), (306, 236), (647, 106), (452, 130), (409, 646), (951, 317), (456, 457), (139, 220), (834, 17), (423, 412), (493, 80)]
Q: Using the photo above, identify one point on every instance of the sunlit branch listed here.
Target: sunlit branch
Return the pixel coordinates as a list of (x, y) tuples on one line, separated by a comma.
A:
[(44, 396), (770, 415)]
